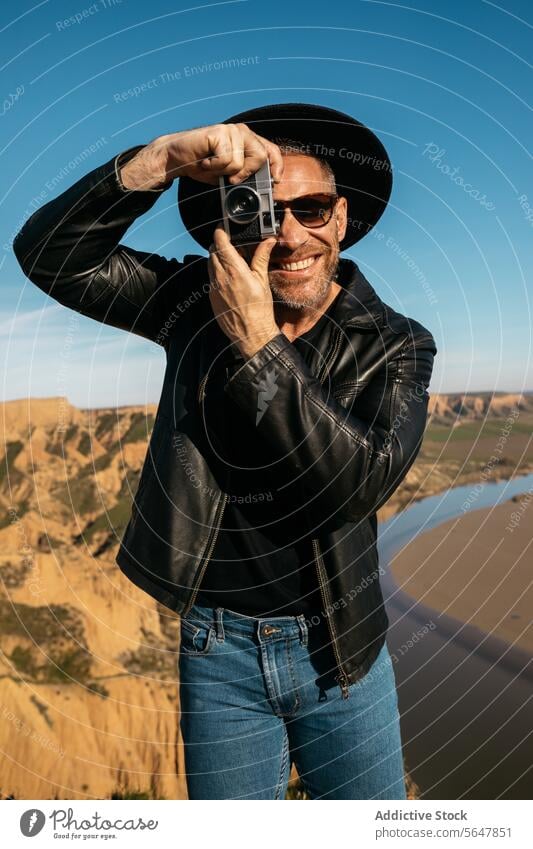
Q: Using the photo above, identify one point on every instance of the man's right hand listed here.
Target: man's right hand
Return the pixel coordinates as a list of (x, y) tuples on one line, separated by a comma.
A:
[(204, 154)]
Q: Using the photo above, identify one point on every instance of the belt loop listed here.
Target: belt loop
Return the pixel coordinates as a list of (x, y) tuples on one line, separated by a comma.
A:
[(219, 627), (303, 629)]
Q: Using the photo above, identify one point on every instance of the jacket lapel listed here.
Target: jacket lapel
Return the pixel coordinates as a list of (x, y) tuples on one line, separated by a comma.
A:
[(359, 304)]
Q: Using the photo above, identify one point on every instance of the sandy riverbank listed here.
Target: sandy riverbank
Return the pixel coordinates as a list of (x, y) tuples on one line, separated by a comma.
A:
[(477, 568)]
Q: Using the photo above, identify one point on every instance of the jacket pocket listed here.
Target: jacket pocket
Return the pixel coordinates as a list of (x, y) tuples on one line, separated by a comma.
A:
[(346, 392)]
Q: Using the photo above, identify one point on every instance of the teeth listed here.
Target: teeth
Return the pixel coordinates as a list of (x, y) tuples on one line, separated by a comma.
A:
[(297, 266)]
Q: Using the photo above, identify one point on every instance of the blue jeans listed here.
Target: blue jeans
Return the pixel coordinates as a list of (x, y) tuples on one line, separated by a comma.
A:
[(257, 694)]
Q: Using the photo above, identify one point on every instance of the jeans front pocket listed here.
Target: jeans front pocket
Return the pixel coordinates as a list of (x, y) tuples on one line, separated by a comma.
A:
[(196, 639)]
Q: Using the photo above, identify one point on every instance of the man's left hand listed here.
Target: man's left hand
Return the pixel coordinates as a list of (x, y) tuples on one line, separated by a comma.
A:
[(240, 293)]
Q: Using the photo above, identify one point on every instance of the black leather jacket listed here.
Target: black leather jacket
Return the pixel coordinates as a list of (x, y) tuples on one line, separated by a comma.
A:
[(347, 426)]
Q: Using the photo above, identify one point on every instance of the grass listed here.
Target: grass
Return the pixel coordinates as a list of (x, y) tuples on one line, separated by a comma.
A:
[(97, 465), (56, 448), (79, 494), (133, 794), (42, 623), (114, 521), (152, 658), (470, 430), (84, 445), (23, 660), (52, 646), (140, 428), (72, 665), (105, 424), (7, 471), (21, 508), (13, 575), (57, 445), (66, 667), (71, 432)]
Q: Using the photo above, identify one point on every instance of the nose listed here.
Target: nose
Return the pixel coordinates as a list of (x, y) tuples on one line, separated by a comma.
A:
[(291, 233)]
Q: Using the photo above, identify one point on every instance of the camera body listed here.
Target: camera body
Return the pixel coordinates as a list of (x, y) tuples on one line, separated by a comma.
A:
[(248, 208)]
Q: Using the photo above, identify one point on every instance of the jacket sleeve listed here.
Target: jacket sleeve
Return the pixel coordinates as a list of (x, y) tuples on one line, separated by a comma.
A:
[(348, 461), (70, 248)]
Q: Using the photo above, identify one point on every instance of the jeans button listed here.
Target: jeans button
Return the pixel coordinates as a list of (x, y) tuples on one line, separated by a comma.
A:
[(268, 630)]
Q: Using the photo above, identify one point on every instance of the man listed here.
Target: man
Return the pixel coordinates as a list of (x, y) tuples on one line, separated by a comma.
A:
[(293, 404)]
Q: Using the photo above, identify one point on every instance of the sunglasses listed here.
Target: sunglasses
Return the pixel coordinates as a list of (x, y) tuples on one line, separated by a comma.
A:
[(309, 210)]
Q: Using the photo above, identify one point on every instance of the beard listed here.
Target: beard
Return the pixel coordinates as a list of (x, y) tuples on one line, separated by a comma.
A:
[(314, 293), (309, 295)]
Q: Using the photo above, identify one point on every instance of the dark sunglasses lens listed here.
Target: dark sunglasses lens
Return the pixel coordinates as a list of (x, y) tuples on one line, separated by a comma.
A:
[(311, 212)]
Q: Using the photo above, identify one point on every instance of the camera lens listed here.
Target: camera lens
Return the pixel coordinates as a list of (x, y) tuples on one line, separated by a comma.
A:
[(242, 204)]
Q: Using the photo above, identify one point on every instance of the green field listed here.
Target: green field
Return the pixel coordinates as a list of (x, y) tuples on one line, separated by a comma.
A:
[(473, 429), (510, 441)]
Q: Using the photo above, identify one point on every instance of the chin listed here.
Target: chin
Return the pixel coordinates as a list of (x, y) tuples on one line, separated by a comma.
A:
[(299, 296)]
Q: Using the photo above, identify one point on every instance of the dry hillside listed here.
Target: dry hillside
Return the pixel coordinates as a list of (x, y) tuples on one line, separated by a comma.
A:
[(88, 663)]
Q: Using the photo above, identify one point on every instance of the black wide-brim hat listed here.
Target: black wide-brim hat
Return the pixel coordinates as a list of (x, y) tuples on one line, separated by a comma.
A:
[(362, 168)]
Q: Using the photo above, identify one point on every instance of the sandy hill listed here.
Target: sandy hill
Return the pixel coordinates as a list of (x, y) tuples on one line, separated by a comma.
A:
[(458, 408), (88, 662)]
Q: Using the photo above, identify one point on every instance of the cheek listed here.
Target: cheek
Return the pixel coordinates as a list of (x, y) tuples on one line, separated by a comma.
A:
[(330, 239)]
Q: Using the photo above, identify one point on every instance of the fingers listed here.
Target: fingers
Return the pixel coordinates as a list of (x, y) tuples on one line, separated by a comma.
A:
[(235, 151), (214, 264), (275, 159), (221, 158), (255, 153), (225, 261), (226, 254), (206, 153), (261, 257), (237, 148)]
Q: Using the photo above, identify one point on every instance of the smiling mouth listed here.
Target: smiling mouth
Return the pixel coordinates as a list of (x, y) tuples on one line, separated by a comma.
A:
[(301, 265)]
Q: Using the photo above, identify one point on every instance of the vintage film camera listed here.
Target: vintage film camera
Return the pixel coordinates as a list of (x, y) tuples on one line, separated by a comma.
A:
[(248, 208)]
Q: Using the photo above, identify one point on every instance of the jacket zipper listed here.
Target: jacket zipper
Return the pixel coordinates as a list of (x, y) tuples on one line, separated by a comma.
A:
[(201, 387), (218, 520), (341, 678), (209, 552)]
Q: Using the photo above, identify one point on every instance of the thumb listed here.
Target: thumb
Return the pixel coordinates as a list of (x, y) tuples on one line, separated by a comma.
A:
[(261, 257)]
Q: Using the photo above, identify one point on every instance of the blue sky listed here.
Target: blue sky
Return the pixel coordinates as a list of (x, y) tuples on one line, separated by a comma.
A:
[(445, 86)]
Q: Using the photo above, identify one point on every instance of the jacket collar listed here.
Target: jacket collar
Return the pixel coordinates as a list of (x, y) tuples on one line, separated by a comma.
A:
[(358, 305)]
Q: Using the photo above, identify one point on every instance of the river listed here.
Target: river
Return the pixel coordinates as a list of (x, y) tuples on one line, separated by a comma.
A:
[(466, 699)]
